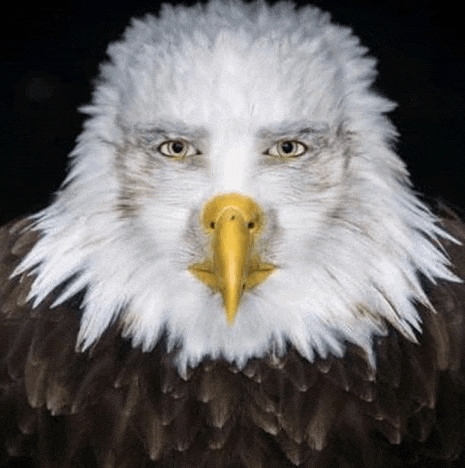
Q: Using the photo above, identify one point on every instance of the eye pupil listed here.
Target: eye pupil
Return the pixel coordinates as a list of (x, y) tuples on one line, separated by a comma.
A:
[(287, 147), (177, 147)]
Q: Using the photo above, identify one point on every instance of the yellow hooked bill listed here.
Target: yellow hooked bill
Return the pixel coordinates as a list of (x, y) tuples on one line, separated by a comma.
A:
[(233, 222)]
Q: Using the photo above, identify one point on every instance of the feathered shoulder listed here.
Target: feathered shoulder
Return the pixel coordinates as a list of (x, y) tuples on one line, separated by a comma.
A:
[(116, 406)]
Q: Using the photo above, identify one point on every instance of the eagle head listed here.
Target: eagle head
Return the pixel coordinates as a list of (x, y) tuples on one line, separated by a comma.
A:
[(235, 191)]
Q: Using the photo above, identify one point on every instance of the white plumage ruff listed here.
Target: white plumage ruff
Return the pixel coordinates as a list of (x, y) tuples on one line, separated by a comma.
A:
[(349, 236)]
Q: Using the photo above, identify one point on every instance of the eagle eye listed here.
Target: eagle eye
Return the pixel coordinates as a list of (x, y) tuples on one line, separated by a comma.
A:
[(287, 149), (176, 149)]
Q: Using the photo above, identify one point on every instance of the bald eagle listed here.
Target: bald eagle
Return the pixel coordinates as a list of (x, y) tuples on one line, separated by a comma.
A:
[(236, 272)]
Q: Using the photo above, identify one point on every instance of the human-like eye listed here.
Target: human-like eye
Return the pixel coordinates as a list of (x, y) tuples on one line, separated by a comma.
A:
[(176, 149), (287, 149)]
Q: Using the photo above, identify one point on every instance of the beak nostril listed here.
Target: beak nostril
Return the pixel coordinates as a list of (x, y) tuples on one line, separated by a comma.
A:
[(251, 225), (212, 225)]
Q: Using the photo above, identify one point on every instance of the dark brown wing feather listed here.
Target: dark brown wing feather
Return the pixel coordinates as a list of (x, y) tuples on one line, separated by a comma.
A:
[(118, 407)]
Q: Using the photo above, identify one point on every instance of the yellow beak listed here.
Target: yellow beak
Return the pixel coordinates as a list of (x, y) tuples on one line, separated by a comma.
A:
[(233, 223)]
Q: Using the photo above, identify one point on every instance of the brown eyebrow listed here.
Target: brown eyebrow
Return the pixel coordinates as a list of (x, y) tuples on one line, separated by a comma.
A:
[(294, 129), (169, 129)]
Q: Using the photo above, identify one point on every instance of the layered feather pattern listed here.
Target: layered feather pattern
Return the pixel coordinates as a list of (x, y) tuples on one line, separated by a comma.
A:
[(348, 354), (116, 406)]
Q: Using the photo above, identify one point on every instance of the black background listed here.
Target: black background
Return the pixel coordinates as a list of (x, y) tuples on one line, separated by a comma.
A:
[(49, 54)]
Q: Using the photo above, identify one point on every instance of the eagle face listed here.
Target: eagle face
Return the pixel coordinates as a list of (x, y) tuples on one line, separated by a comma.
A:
[(257, 123)]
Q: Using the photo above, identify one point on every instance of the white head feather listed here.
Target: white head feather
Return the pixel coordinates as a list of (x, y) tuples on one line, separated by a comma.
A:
[(347, 233)]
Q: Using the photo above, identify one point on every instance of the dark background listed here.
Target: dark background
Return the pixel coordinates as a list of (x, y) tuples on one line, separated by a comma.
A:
[(49, 54)]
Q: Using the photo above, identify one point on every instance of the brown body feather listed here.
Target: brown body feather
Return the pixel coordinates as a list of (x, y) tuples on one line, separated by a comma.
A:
[(116, 406)]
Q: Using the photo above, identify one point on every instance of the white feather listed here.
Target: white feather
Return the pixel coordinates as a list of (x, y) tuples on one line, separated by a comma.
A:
[(347, 233)]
